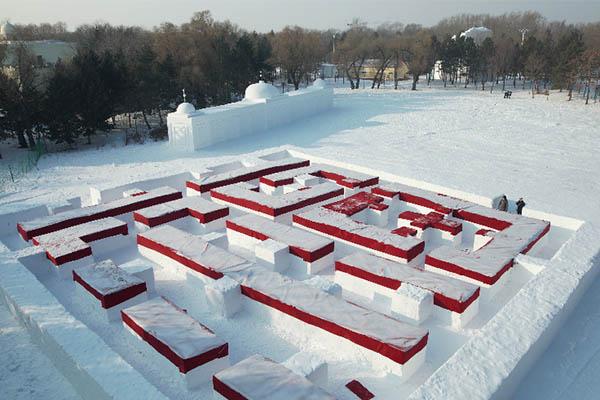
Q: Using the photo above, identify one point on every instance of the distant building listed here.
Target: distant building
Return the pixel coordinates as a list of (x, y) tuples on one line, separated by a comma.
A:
[(46, 52), (371, 67), (328, 71)]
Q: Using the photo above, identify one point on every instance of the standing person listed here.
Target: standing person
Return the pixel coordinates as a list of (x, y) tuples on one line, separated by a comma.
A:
[(503, 203), (520, 205)]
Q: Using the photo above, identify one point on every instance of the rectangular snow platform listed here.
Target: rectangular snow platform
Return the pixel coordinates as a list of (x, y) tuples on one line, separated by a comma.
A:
[(372, 238), (207, 183), (259, 378), (203, 210), (309, 251), (193, 348), (67, 219), (113, 287)]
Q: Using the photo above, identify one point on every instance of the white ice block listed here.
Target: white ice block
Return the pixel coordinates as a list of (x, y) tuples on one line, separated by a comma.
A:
[(307, 180), (412, 302), (377, 217), (272, 255), (224, 296), (141, 269), (309, 365)]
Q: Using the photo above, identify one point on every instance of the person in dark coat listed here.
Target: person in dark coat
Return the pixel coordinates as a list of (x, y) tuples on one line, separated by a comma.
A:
[(503, 203), (520, 205)]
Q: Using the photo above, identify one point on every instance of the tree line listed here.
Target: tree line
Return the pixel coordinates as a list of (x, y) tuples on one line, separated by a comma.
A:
[(124, 70)]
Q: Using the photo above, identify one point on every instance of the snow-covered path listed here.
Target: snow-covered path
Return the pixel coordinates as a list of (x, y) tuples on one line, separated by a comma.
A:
[(25, 373), (544, 150)]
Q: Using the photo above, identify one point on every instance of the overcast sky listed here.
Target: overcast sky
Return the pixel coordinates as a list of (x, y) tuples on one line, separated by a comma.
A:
[(264, 15)]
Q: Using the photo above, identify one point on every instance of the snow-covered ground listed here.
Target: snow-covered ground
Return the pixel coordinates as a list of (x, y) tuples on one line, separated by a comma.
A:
[(543, 150)]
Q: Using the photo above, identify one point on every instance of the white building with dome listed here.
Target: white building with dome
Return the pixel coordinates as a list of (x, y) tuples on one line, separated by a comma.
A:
[(262, 108)]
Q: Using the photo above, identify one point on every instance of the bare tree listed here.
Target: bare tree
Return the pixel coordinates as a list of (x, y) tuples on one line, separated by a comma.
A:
[(298, 52)]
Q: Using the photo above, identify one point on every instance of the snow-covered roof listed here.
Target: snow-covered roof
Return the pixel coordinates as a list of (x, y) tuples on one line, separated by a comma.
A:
[(260, 91)]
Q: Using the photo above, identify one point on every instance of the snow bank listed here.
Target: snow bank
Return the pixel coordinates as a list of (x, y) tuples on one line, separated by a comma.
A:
[(91, 366)]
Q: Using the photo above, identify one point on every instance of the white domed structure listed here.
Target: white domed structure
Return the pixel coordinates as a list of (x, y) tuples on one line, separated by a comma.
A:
[(261, 91), (186, 108), (6, 30)]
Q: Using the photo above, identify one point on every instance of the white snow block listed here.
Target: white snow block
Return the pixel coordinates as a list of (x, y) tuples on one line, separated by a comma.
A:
[(273, 255), (481, 238), (377, 216), (307, 180), (310, 366), (325, 285), (224, 296), (292, 187), (111, 288), (412, 302), (141, 269)]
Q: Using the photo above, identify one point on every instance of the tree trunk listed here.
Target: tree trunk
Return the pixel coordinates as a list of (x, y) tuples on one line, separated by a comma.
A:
[(30, 139), (160, 118), (22, 140), (504, 83), (146, 119), (88, 132), (414, 82)]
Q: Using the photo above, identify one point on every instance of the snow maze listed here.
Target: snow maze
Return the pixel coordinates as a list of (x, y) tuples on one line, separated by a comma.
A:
[(284, 277)]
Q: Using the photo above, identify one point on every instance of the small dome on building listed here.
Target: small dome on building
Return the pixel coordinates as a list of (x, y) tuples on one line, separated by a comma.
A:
[(6, 30), (320, 83), (260, 91), (186, 108)]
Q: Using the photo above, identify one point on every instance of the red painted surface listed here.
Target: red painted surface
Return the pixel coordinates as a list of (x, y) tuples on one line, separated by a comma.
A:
[(306, 255), (226, 391), (183, 364), (457, 269), (359, 390), (405, 231), (354, 204), (111, 212), (244, 177), (79, 254), (271, 211), (182, 213), (112, 299), (174, 255), (374, 244), (439, 299), (385, 349)]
